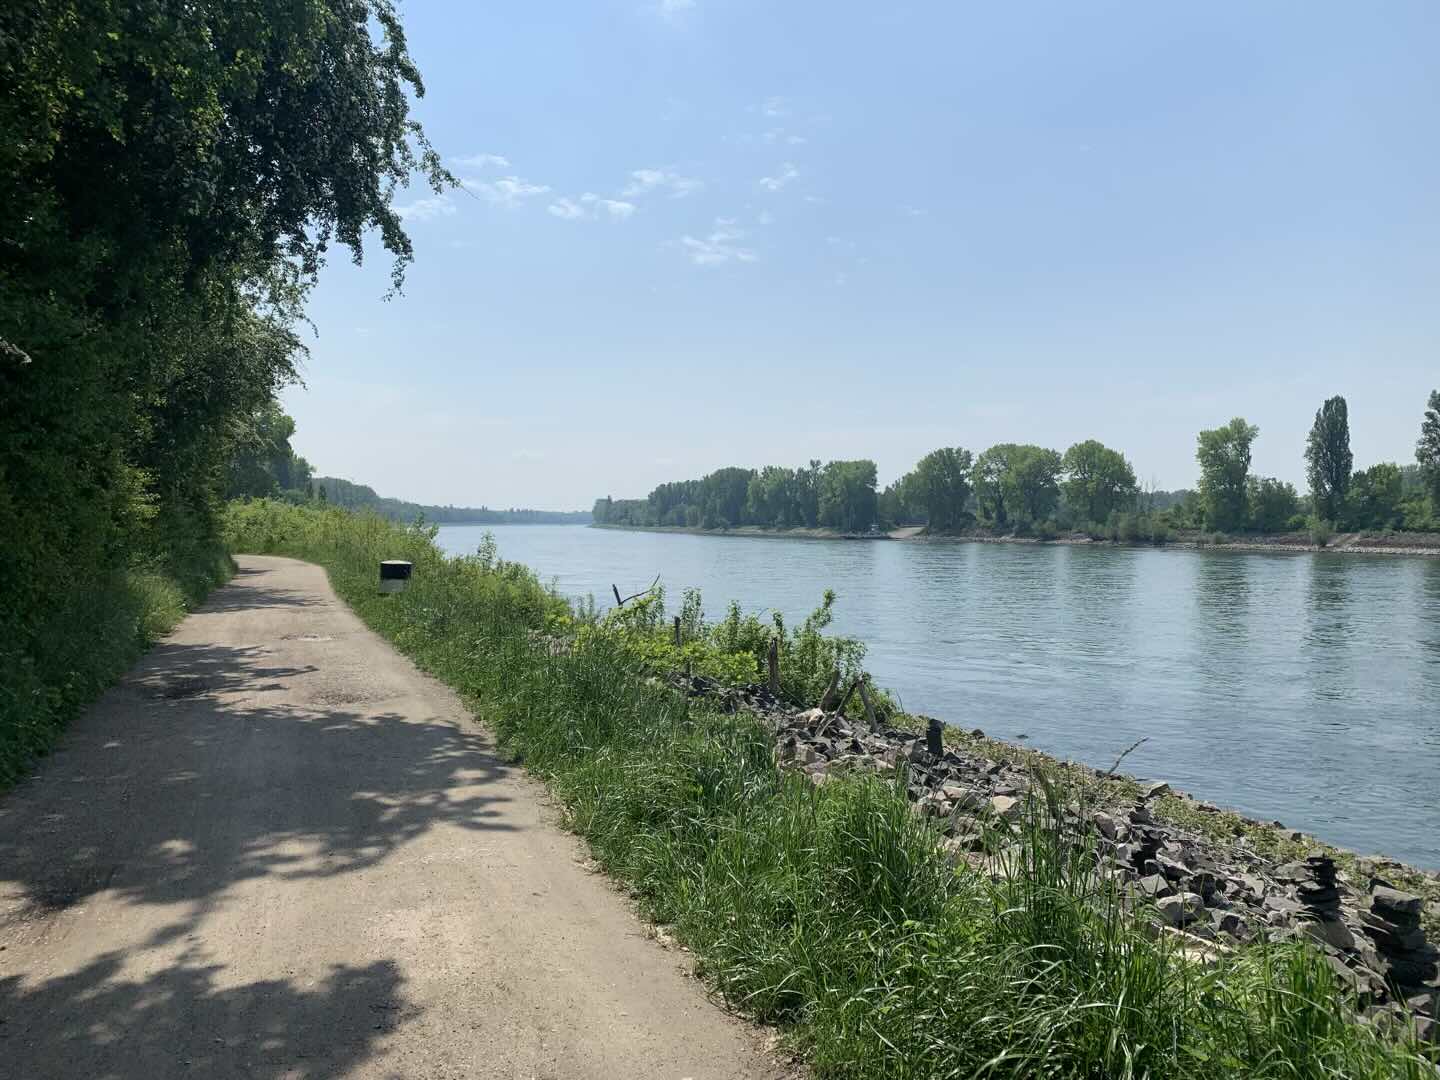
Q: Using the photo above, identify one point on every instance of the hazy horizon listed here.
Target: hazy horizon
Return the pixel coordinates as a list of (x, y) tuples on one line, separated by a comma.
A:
[(696, 234)]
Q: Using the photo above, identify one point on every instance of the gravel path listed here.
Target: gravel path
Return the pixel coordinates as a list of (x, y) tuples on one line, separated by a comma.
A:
[(276, 849)]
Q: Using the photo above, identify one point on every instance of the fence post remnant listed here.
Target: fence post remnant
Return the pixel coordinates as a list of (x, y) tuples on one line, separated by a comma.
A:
[(865, 700)]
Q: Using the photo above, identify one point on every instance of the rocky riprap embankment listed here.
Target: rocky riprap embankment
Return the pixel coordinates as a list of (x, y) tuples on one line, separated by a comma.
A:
[(1217, 895)]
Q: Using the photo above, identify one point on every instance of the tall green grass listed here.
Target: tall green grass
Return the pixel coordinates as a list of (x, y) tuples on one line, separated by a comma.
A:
[(832, 910), (84, 635)]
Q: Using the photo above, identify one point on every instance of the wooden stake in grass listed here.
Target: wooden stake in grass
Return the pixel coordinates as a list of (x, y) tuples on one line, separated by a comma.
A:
[(774, 661), (935, 738), (677, 631), (827, 700), (869, 708)]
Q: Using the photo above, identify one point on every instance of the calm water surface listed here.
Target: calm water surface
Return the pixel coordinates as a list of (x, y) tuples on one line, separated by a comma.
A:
[(1303, 687)]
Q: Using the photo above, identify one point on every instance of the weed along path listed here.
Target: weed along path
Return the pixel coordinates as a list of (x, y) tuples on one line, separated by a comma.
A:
[(276, 849)]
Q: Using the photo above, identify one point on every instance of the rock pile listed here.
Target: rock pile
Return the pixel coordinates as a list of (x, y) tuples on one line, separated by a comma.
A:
[(1216, 892)]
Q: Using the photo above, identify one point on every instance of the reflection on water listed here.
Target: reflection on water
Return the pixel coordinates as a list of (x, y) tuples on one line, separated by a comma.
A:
[(1292, 686), (1430, 628), (1328, 626)]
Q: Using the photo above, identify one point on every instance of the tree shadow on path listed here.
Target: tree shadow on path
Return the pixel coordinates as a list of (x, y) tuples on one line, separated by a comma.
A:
[(207, 767), (97, 1025)]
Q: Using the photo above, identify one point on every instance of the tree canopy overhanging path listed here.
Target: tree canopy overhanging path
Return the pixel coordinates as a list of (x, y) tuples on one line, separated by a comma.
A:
[(276, 849)]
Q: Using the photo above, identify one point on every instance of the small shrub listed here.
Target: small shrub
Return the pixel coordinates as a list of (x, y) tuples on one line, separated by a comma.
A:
[(1321, 532)]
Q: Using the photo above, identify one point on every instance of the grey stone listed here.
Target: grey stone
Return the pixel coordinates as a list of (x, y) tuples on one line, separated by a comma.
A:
[(1282, 905), (1172, 869), (1153, 886), (1155, 790), (1112, 828), (1227, 922), (1005, 806), (1394, 902), (1181, 908), (1427, 1029), (1331, 932)]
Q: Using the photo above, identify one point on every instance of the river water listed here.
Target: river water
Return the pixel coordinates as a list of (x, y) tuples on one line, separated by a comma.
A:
[(1300, 687)]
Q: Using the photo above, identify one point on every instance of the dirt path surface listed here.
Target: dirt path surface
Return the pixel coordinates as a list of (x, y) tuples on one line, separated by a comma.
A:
[(276, 850)]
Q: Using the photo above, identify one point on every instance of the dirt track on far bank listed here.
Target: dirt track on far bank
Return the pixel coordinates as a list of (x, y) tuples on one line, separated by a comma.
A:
[(277, 850)]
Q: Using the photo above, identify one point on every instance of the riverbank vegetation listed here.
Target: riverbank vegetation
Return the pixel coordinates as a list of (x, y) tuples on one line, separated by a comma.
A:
[(171, 180), (830, 910), (1090, 488)]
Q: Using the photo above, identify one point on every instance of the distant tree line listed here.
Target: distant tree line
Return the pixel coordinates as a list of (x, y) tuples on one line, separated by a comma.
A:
[(352, 496), (265, 466), (836, 495), (1027, 489)]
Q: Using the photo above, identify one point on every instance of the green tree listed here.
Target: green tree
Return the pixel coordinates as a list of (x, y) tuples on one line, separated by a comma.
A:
[(939, 487), (1376, 495), (1273, 504), (1224, 457), (807, 494), (1098, 481), (722, 505), (847, 495), (1328, 459), (263, 462), (770, 499), (1427, 450), (988, 478), (172, 177), (1033, 482)]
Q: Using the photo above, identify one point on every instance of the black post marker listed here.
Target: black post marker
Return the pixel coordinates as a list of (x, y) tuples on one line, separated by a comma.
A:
[(394, 575)]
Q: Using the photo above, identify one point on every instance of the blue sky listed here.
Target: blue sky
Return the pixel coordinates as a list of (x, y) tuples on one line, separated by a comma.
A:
[(698, 233)]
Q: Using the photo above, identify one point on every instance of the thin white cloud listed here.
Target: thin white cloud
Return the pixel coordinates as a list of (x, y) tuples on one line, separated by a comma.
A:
[(775, 107), (616, 208), (784, 177), (778, 134), (591, 205), (912, 211), (766, 218), (508, 191), (484, 161), (645, 181), (719, 247), (426, 209), (566, 209), (670, 10)]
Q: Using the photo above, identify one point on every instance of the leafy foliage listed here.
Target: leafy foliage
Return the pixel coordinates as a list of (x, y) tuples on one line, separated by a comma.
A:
[(1375, 498), (171, 178), (1328, 459), (939, 488), (1427, 449), (837, 495), (1274, 505), (1099, 481), (1224, 457)]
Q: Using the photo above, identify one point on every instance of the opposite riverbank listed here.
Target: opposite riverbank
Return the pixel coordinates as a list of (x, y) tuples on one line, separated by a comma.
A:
[(833, 908), (1427, 544)]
